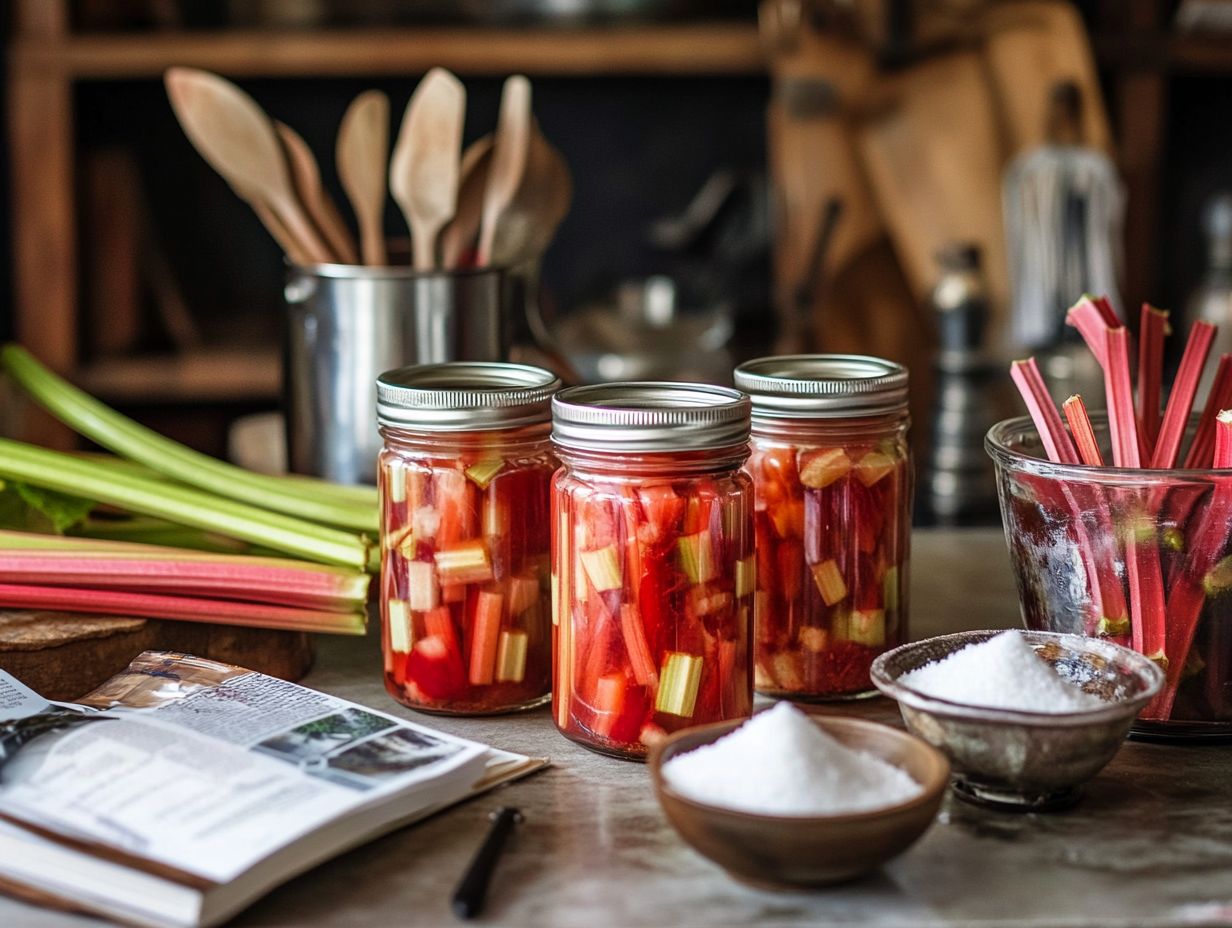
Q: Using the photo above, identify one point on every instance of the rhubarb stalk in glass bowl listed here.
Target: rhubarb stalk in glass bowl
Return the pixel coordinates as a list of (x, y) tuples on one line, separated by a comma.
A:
[(1119, 523)]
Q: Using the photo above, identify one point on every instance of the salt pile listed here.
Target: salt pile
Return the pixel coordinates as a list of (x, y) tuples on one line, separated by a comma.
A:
[(1003, 672), (780, 763)]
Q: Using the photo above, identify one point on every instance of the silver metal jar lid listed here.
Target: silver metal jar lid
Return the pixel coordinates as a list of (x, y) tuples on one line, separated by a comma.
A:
[(650, 416), (463, 395), (823, 386)]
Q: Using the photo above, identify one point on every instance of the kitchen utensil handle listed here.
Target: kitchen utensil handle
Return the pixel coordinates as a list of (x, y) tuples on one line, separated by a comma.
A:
[(469, 897)]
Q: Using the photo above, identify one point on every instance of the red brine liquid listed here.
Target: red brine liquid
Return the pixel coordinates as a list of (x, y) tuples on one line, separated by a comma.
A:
[(653, 584), (464, 573), (832, 527)]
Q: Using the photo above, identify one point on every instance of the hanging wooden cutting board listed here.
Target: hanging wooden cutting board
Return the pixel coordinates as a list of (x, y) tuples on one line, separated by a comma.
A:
[(1029, 48), (62, 656), (933, 152)]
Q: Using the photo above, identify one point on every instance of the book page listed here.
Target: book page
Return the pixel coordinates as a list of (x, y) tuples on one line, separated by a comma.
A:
[(218, 767)]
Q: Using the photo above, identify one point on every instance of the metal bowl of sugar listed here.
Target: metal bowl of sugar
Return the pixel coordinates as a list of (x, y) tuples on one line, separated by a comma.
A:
[(1018, 760)]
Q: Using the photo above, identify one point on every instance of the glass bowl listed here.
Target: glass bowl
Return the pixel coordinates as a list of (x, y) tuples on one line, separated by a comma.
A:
[(1138, 557)]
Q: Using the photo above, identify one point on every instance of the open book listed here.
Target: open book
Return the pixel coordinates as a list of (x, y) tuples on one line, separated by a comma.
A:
[(185, 789)]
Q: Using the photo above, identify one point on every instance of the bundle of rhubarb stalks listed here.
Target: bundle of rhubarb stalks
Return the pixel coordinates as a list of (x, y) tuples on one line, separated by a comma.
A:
[(155, 529), (1153, 553)]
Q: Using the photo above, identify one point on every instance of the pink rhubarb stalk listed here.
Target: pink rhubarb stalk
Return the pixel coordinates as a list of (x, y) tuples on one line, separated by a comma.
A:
[(235, 577), (1151, 334), (1180, 400), (183, 608), (1084, 434), (1030, 383), (1188, 595), (1220, 398), (1120, 392), (1091, 317)]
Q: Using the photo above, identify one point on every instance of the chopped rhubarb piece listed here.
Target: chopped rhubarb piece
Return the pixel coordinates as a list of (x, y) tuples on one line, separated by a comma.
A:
[(889, 587), (523, 593), (663, 510), (873, 467), (704, 601), (425, 522), (814, 639), (746, 571), (821, 467), (609, 702), (697, 557), (453, 592), (422, 592), (651, 734), (395, 481), (786, 669), (464, 562), (640, 658), (399, 614), (454, 503), (481, 472), (778, 471), (830, 582), (790, 574), (511, 657), (867, 627), (787, 517), (603, 568), (1151, 333), (1122, 422), (678, 684), (1180, 399), (435, 669), (1084, 434), (1030, 383), (485, 637)]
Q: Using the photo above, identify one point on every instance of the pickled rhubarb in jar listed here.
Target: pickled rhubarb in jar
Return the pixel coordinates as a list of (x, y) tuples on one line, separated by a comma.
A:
[(652, 563), (833, 477), (465, 534)]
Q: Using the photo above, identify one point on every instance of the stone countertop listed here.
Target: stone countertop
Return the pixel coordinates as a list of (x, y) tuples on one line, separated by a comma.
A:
[(1150, 844)]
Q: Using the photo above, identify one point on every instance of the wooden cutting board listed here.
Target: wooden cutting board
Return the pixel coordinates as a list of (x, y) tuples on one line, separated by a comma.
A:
[(63, 656)]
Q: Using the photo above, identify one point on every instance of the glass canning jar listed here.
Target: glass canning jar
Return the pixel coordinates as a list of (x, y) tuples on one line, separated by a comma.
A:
[(833, 477), (465, 535), (652, 562)]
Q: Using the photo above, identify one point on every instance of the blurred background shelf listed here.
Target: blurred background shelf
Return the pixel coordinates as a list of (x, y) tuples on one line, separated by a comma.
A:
[(207, 375), (706, 48)]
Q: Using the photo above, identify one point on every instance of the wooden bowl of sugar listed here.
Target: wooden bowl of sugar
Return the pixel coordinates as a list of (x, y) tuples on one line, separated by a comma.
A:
[(784, 812)]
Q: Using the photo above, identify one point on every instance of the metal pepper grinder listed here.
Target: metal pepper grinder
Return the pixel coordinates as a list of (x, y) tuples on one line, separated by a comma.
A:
[(960, 484)]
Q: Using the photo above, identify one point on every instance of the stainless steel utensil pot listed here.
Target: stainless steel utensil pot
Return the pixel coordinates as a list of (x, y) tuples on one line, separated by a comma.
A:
[(348, 324)]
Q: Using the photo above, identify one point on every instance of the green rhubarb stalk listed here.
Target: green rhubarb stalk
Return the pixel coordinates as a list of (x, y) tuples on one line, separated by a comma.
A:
[(54, 470), (315, 500)]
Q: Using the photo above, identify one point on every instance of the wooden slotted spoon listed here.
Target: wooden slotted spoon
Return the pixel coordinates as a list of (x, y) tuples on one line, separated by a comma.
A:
[(306, 178), (362, 155), (239, 141), (423, 174)]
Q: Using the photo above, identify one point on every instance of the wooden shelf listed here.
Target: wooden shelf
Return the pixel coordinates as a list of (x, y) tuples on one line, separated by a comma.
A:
[(715, 48), (227, 375), (1198, 54)]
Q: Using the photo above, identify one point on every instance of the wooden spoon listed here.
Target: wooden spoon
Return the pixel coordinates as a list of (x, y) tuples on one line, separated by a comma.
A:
[(462, 232), (510, 154), (306, 178), (362, 155), (238, 139), (529, 224), (423, 175)]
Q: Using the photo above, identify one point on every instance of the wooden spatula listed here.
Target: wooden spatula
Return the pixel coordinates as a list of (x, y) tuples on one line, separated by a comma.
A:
[(510, 154), (306, 178), (423, 174), (363, 154), (462, 232), (239, 141)]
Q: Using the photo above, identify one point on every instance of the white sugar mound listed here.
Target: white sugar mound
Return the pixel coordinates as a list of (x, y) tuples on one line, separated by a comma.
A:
[(1003, 672), (780, 763)]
